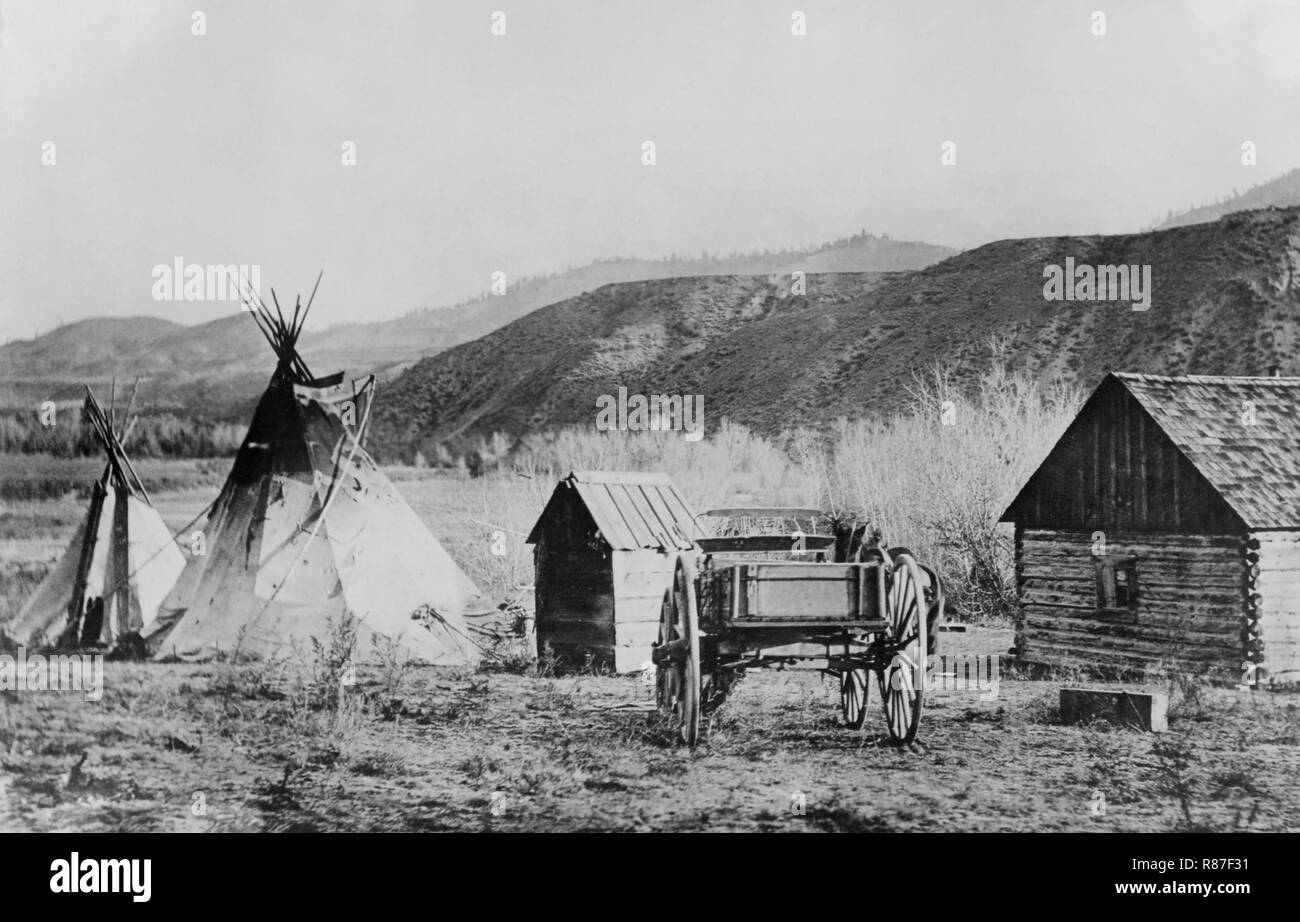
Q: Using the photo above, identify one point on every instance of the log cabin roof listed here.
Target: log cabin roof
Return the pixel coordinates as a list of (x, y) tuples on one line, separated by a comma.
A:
[(1254, 468), (631, 510)]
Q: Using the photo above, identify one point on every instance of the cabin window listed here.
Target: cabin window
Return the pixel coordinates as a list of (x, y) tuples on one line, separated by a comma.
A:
[(1117, 584)]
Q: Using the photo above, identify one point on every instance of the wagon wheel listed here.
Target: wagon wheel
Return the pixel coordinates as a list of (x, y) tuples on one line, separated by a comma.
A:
[(853, 697), (900, 671), (934, 600), (678, 691)]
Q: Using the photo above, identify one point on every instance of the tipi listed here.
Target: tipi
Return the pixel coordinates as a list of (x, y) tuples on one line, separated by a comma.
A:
[(119, 567), (308, 532)]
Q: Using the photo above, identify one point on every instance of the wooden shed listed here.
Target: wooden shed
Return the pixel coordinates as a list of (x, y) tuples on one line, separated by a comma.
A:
[(1164, 529), (604, 549)]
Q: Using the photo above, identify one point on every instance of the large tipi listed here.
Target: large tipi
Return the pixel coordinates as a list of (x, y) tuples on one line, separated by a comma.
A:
[(308, 533), (120, 565)]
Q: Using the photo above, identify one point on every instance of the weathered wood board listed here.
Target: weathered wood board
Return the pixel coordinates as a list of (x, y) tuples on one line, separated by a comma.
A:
[(1146, 711)]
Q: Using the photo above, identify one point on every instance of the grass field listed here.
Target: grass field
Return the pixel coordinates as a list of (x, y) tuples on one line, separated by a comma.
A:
[(221, 747), (281, 746), (463, 513)]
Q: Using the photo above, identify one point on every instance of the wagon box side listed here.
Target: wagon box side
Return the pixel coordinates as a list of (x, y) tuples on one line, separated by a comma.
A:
[(793, 593)]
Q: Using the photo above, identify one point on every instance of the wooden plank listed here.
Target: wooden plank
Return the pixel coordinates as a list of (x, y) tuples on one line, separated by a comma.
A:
[(667, 519), (581, 632), (865, 624), (1072, 648), (1119, 631), (631, 610), (642, 584), (641, 515), (796, 599), (763, 543), (1145, 711), (576, 608), (1229, 579), (765, 512), (643, 560), (609, 519), (1061, 551), (1170, 539), (636, 634), (1283, 585), (1155, 652)]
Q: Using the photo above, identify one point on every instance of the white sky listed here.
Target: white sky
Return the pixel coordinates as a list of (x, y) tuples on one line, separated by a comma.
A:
[(522, 152)]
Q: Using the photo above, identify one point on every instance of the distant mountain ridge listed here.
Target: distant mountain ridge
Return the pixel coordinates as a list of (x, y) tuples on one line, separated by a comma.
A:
[(220, 367), (1225, 300), (1282, 192)]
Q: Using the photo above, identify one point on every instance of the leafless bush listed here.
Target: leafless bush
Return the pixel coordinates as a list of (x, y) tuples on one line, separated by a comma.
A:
[(937, 478)]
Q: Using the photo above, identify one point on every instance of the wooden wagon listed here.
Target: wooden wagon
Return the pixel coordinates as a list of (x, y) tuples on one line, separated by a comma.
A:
[(753, 601)]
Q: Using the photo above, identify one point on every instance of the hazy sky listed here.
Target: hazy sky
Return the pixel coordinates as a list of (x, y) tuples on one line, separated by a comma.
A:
[(523, 152)]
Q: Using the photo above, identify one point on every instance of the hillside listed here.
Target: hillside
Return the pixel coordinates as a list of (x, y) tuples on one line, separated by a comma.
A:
[(219, 368), (1283, 192), (1225, 298)]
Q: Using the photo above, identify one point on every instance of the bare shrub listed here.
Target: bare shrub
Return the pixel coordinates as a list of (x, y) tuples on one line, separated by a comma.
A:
[(939, 488)]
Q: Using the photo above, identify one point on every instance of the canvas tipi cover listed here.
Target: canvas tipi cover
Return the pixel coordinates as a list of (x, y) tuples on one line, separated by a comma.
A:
[(118, 567), (307, 533)]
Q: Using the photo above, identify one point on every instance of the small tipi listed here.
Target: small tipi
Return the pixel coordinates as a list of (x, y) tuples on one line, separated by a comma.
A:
[(120, 565), (308, 533)]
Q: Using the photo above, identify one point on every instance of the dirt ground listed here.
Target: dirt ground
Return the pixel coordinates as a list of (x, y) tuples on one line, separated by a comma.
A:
[(222, 747), (276, 747)]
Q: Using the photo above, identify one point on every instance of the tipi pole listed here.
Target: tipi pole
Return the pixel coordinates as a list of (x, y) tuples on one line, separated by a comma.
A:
[(76, 605), (112, 402), (131, 405), (311, 299), (117, 616), (117, 456)]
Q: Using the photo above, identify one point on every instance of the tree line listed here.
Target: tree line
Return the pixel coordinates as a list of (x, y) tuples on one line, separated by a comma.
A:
[(162, 435)]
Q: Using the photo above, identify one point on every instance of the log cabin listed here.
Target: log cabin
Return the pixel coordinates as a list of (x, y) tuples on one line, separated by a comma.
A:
[(1163, 531), (604, 549)]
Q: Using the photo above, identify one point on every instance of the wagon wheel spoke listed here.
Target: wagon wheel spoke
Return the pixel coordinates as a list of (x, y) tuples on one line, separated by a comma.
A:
[(902, 675), (678, 678), (853, 697), (908, 640)]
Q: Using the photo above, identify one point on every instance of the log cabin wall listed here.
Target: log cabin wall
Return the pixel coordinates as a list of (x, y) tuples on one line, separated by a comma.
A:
[(1182, 603), (1274, 598), (1192, 485)]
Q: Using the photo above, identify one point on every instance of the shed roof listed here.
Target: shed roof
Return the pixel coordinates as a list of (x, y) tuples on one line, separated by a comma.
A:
[(1254, 467), (631, 510)]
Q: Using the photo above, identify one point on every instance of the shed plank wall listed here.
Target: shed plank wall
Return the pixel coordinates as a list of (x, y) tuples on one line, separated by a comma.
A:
[(640, 580), (574, 587)]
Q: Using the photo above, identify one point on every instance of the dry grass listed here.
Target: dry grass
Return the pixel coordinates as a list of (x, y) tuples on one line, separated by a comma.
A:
[(270, 748)]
